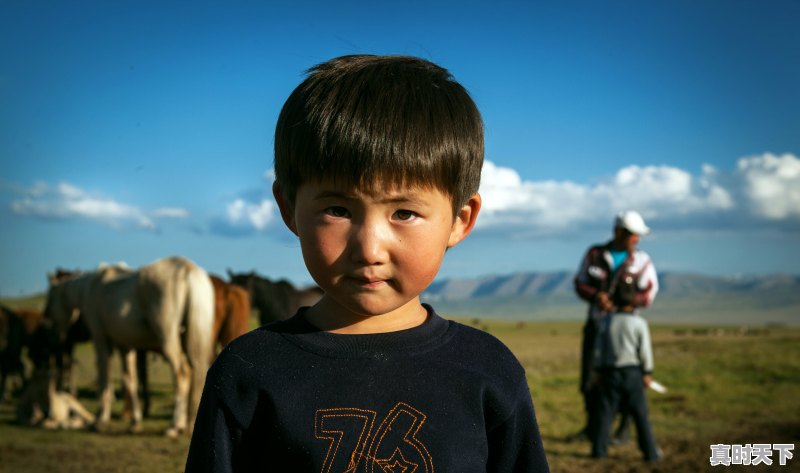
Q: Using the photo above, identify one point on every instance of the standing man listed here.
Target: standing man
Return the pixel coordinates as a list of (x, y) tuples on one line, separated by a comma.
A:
[(613, 277)]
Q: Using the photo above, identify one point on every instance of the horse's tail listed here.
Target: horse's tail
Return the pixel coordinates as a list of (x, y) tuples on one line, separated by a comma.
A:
[(198, 320)]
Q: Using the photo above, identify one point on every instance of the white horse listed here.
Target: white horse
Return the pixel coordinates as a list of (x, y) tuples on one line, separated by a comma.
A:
[(166, 306)]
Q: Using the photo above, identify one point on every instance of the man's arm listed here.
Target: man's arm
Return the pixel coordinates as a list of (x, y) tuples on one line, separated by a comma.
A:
[(583, 286), (647, 285), (645, 351)]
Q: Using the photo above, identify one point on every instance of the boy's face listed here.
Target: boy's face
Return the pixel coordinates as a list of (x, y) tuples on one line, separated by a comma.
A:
[(374, 253)]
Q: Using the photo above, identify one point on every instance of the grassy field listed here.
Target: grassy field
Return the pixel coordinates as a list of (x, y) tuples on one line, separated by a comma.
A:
[(726, 385)]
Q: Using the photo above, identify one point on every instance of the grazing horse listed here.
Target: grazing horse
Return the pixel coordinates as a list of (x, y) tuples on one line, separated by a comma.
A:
[(166, 306), (274, 300), (17, 329)]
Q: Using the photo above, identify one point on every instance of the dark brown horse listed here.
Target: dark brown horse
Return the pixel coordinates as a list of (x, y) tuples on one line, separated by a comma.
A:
[(20, 329), (274, 300), (12, 340)]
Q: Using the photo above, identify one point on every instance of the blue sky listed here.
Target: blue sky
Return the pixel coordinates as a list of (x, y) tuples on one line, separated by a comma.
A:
[(130, 131)]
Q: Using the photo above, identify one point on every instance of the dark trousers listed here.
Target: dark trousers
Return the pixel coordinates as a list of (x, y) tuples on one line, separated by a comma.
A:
[(621, 388), (590, 329)]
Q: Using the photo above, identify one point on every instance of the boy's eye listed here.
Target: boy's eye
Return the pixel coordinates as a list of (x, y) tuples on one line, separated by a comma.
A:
[(405, 214), (338, 212)]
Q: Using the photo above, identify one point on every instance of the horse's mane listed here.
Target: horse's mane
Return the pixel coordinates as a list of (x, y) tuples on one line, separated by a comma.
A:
[(121, 265), (107, 271)]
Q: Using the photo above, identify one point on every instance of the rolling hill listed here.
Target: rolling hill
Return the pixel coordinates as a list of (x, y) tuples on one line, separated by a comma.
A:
[(683, 298)]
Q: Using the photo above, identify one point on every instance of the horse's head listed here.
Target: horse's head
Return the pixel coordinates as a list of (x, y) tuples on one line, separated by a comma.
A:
[(62, 274), (243, 280), (61, 308)]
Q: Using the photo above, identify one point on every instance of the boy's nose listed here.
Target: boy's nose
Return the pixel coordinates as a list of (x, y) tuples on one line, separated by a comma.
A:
[(369, 243)]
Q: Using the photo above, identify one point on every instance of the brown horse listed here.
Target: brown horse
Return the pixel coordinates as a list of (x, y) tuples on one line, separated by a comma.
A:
[(18, 330), (274, 300), (231, 311), (166, 306)]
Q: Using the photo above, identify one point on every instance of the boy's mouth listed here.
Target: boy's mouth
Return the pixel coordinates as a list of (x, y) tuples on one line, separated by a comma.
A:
[(368, 282)]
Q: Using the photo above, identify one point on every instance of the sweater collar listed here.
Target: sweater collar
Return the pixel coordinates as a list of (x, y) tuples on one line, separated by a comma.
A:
[(373, 345)]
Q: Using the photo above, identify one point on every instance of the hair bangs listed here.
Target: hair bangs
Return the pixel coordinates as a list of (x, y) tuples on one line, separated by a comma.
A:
[(376, 122)]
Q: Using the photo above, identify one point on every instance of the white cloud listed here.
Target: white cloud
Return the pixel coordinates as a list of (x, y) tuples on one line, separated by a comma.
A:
[(542, 206), (763, 189), (767, 187), (65, 201), (245, 214), (170, 212), (772, 185)]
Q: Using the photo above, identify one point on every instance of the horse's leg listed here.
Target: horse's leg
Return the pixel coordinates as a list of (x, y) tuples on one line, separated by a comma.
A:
[(104, 389), (2, 379), (64, 359), (181, 373), (141, 370), (129, 380), (59, 359), (68, 366)]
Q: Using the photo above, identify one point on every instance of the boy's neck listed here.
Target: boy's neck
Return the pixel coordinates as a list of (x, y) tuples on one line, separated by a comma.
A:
[(327, 315)]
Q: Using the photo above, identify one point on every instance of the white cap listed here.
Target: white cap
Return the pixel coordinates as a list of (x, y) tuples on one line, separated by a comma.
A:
[(633, 222)]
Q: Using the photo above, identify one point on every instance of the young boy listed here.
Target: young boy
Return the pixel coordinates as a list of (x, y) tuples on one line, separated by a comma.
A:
[(377, 163), (624, 366)]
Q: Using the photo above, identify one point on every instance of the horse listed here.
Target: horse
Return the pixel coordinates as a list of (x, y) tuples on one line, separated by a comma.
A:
[(231, 319), (42, 404), (165, 306), (274, 300), (78, 333), (17, 329), (231, 311)]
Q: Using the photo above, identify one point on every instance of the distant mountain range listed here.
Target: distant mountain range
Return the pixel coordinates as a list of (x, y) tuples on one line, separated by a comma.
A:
[(683, 297)]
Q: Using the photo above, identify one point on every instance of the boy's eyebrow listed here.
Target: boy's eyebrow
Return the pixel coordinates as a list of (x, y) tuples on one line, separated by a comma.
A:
[(385, 199)]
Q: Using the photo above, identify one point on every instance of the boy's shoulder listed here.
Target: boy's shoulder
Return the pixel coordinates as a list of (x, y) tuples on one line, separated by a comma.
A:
[(630, 321), (480, 347), (479, 338), (256, 344)]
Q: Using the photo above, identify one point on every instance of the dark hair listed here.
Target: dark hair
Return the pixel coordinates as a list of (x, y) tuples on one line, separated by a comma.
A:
[(380, 121)]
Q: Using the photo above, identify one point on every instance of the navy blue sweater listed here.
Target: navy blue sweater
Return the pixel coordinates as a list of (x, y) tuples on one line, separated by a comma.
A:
[(438, 397)]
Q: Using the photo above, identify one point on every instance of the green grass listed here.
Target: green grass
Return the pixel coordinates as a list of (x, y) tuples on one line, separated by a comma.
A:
[(725, 386)]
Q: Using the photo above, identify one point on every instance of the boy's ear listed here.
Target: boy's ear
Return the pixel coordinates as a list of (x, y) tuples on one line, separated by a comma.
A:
[(287, 210), (465, 220)]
